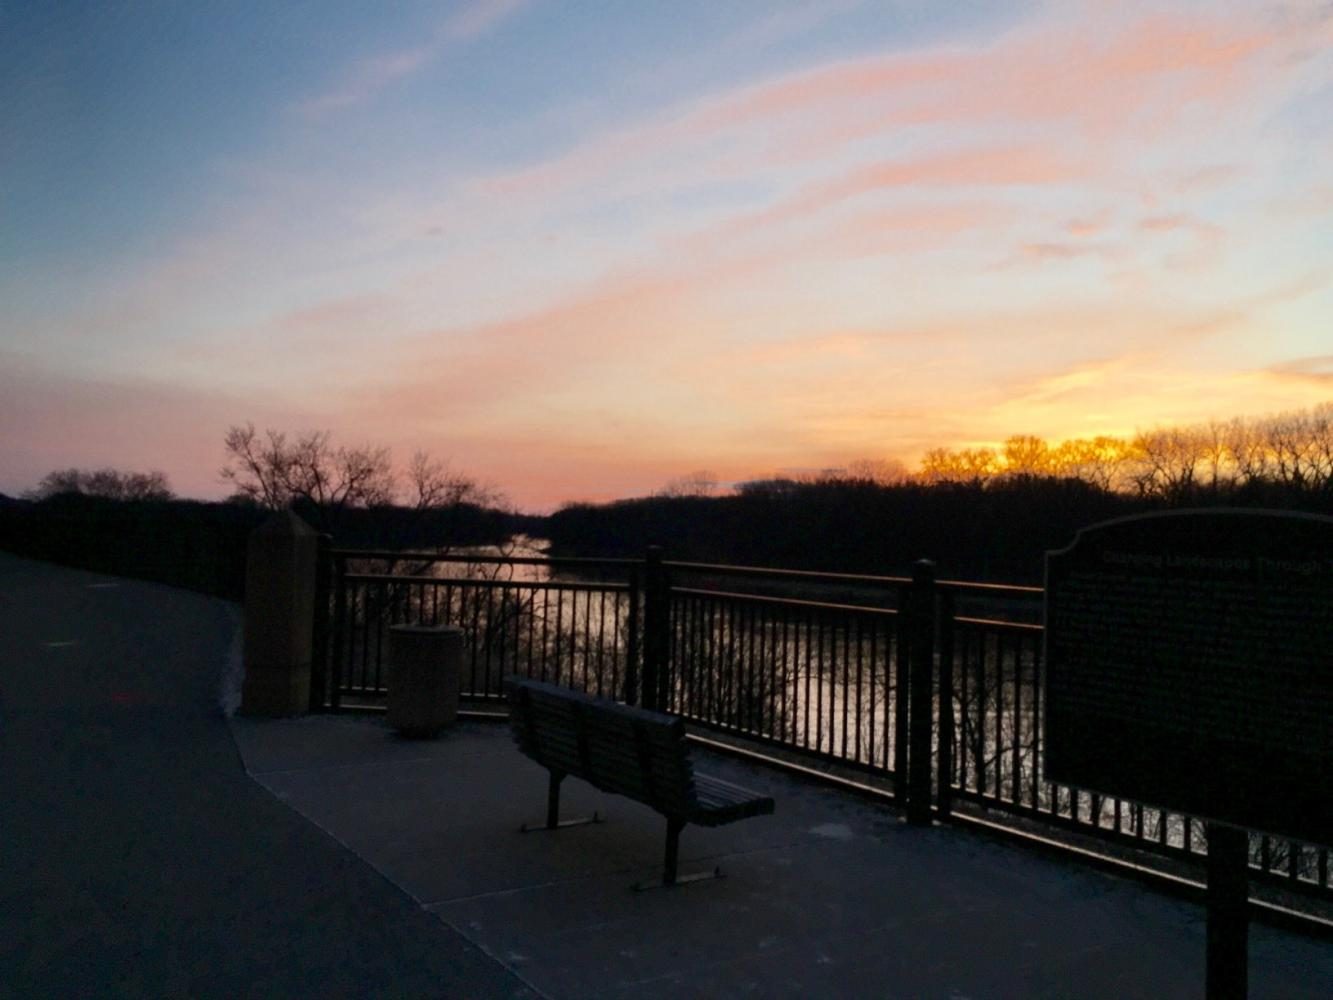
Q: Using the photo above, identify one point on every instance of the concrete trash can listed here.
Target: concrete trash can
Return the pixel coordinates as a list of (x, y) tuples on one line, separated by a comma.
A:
[(424, 666)]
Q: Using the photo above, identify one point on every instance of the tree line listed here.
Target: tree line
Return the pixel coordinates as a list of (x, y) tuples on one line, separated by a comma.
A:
[(1292, 451), (131, 523), (981, 513), (988, 513)]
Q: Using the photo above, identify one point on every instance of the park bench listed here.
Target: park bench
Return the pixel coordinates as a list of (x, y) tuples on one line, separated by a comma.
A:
[(623, 751)]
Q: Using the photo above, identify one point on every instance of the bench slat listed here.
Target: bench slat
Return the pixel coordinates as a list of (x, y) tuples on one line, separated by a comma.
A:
[(721, 802), (566, 717)]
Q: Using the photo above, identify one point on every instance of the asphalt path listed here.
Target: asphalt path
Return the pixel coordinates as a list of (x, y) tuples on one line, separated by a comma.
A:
[(137, 858)]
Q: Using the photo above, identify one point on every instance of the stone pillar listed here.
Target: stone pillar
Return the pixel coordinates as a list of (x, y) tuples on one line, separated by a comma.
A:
[(424, 666), (279, 616)]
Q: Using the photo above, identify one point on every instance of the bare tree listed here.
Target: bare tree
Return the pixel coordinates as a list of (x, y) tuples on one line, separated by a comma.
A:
[(880, 471), (276, 472), (699, 483), (970, 465), (110, 484), (1166, 461), (1294, 447), (1026, 455), (1099, 460), (1321, 445)]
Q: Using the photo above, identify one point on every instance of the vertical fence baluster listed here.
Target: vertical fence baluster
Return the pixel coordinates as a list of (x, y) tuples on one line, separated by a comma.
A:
[(771, 671), (601, 640), (845, 624), (818, 671), (889, 625), (758, 664), (1016, 760), (921, 661), (546, 628), (340, 646), (631, 679), (1037, 739), (381, 609), (945, 754), (873, 656), (900, 701)]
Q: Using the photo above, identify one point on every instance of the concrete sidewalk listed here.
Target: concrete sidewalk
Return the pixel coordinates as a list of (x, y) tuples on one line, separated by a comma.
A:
[(830, 897), (138, 859)]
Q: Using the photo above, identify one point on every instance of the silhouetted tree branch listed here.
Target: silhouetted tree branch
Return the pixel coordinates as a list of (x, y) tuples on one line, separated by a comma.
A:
[(326, 481)]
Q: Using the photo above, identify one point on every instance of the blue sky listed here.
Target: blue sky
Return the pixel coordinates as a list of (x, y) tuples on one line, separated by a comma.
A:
[(584, 247)]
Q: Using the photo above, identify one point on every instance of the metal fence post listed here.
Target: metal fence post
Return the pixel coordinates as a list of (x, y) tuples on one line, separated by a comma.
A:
[(944, 764), (339, 641), (921, 659), (655, 628), (901, 644), (632, 643), (320, 645)]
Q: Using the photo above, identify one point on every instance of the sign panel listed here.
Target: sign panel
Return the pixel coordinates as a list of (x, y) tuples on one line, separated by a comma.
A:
[(1190, 666)]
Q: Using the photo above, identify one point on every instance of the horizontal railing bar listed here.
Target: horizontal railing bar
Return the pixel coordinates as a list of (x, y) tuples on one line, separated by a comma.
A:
[(999, 626), (785, 602), (1140, 842), (977, 585), (459, 581), (721, 746), (813, 576), (795, 749), (390, 554)]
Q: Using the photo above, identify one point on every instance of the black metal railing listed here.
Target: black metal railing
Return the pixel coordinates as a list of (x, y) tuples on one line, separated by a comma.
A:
[(997, 699), (518, 617), (810, 676), (933, 689)]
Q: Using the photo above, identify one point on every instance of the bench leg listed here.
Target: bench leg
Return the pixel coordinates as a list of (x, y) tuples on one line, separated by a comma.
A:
[(553, 810), (669, 876), (672, 850), (553, 801)]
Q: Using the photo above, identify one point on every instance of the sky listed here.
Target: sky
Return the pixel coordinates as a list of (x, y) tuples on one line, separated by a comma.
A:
[(581, 248)]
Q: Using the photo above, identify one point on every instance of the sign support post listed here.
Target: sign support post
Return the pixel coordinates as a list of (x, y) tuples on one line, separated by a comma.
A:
[(1228, 912)]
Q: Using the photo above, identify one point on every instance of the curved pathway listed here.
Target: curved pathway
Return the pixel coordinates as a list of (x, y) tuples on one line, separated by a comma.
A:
[(138, 857)]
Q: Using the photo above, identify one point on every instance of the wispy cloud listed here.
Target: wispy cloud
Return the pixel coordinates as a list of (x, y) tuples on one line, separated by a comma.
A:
[(1140, 75), (478, 17), (1317, 369), (372, 74)]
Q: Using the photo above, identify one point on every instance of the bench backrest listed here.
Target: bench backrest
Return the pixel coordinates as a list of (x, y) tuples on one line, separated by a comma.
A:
[(617, 748)]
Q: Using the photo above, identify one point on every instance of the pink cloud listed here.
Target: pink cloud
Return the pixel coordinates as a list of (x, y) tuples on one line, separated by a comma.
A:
[(1060, 251), (1087, 226), (1317, 369), (992, 167), (1135, 75)]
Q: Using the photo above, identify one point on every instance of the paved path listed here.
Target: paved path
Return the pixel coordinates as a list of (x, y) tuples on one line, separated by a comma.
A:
[(137, 858), (832, 896)]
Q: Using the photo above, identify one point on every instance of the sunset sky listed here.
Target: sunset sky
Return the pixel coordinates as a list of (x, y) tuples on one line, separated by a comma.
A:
[(582, 248)]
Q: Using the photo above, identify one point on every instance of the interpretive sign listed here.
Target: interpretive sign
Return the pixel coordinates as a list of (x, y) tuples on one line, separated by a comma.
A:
[(1190, 666)]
